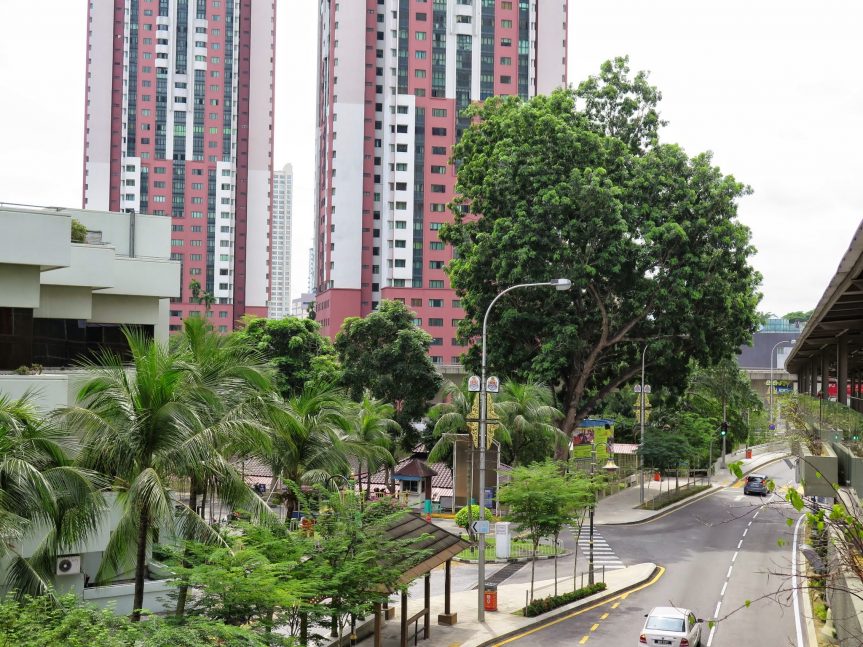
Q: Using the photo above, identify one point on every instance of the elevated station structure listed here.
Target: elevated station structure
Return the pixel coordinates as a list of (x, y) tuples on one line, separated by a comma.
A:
[(829, 350)]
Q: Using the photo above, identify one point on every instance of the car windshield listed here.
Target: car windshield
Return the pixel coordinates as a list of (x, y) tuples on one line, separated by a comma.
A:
[(755, 479), (665, 624)]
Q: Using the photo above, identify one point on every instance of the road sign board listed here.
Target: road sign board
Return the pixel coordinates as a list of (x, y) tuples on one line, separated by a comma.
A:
[(480, 527)]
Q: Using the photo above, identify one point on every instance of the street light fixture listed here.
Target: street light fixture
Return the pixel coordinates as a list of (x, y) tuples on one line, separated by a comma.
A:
[(558, 284), (772, 386)]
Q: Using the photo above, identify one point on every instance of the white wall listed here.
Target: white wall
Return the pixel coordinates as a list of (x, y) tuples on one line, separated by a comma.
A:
[(100, 31), (35, 237), (19, 286)]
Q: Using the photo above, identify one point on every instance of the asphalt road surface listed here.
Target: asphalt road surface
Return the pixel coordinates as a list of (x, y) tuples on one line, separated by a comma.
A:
[(719, 553)]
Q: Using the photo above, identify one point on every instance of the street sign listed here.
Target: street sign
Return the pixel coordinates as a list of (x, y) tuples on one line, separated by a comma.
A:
[(480, 527), (638, 388), (772, 427), (473, 384), (647, 388), (492, 384)]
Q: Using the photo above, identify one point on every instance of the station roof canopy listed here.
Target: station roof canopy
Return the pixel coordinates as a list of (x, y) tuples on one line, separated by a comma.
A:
[(838, 313)]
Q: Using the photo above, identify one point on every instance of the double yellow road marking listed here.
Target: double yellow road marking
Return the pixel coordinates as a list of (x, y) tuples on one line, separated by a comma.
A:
[(578, 612)]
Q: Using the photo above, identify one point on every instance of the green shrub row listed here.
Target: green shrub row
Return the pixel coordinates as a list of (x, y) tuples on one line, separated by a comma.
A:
[(538, 607)]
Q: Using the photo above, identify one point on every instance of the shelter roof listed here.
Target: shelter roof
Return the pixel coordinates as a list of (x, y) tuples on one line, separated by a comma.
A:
[(440, 544)]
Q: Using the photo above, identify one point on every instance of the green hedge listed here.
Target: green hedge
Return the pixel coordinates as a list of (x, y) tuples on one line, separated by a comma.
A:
[(538, 607)]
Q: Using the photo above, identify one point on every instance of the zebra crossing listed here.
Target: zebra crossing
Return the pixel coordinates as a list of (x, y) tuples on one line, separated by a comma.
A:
[(603, 555)]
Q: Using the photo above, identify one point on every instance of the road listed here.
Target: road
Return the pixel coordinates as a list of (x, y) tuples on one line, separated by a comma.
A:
[(719, 552)]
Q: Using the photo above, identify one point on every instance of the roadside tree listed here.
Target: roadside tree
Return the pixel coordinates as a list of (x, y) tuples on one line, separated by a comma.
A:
[(648, 235), (542, 500)]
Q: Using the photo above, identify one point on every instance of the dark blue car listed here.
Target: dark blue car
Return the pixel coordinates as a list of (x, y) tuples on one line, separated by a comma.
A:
[(756, 484)]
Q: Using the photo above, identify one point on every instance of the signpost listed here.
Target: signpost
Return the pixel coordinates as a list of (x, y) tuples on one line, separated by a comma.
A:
[(480, 526)]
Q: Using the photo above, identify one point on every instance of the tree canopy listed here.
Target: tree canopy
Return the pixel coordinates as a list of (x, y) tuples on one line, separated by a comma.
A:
[(295, 348), (386, 354), (647, 235)]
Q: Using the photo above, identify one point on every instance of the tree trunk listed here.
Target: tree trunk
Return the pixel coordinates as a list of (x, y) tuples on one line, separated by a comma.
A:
[(555, 565), (183, 591), (290, 504), (369, 483), (140, 565), (533, 569)]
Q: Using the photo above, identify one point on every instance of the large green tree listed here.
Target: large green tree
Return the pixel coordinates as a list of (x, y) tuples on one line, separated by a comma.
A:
[(648, 235), (296, 349), (386, 354)]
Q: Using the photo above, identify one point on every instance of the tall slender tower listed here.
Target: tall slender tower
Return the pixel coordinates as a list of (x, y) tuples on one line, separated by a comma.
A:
[(280, 243), (394, 77), (179, 122)]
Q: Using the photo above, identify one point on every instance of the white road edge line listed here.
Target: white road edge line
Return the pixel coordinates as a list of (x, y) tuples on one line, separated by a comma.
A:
[(745, 531), (716, 613), (739, 544), (724, 586), (729, 572), (797, 623), (733, 557), (710, 637)]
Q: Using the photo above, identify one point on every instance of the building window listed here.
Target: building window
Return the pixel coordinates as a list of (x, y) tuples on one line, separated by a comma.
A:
[(434, 322), (436, 303), (436, 245)]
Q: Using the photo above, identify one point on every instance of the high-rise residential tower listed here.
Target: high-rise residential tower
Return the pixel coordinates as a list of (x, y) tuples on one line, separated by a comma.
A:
[(179, 122), (280, 244), (394, 77)]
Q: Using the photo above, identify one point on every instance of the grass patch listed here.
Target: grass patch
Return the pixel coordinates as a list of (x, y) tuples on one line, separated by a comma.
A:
[(678, 494), (516, 549), (544, 605)]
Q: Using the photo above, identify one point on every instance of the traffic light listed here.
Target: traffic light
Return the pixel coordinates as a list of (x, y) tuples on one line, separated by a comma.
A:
[(724, 428)]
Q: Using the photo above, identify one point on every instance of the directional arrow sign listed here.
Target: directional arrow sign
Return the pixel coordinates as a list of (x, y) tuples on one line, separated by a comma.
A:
[(480, 527)]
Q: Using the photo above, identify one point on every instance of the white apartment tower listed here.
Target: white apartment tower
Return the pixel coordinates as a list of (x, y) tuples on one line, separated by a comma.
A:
[(280, 244)]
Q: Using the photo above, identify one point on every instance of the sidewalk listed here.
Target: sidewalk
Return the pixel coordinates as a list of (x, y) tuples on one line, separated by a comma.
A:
[(622, 508), (469, 632)]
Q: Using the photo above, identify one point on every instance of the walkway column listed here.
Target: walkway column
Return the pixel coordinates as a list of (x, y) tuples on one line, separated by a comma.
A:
[(427, 618), (404, 620), (447, 617), (825, 371), (842, 370), (813, 376)]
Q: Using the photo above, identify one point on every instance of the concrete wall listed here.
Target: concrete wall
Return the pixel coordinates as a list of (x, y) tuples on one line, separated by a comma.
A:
[(818, 473), (850, 468)]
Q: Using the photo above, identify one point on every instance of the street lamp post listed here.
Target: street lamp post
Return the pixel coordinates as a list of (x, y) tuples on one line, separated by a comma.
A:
[(641, 448), (772, 386), (559, 284)]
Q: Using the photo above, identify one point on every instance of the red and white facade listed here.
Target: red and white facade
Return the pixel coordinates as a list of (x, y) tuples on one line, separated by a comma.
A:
[(393, 77), (179, 123)]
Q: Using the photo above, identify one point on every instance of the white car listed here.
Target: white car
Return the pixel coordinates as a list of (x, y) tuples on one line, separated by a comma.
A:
[(671, 627)]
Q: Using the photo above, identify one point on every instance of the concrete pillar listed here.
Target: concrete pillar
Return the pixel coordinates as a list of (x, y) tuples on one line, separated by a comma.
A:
[(842, 369), (813, 376), (825, 370)]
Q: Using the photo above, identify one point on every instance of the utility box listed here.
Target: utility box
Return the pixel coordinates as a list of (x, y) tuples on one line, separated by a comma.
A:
[(502, 539)]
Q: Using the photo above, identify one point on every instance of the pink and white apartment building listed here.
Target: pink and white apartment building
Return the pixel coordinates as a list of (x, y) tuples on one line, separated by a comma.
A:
[(179, 123), (394, 78)]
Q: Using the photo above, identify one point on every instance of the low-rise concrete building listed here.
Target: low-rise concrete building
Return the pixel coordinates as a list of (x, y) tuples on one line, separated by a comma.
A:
[(60, 300)]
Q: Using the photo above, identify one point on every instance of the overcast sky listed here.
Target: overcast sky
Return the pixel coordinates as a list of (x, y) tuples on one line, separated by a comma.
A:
[(770, 86)]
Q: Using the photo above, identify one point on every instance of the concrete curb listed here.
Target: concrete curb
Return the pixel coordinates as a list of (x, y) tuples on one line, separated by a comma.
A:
[(566, 610), (694, 498)]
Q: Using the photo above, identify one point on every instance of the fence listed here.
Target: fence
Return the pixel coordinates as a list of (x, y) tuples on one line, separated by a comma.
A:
[(693, 480)]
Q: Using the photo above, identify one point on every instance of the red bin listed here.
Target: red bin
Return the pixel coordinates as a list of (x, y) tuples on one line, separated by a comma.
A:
[(748, 453), (490, 597)]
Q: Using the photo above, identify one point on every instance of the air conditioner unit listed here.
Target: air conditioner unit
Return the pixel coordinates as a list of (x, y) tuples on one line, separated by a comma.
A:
[(68, 565)]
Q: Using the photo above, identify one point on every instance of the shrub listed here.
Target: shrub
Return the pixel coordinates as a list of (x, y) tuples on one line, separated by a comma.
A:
[(79, 231), (544, 605), (461, 516)]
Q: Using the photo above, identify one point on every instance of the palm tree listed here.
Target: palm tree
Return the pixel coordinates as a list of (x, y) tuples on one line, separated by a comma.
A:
[(307, 438), (527, 417), (230, 381), (449, 418), (40, 490), (145, 426), (370, 437)]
